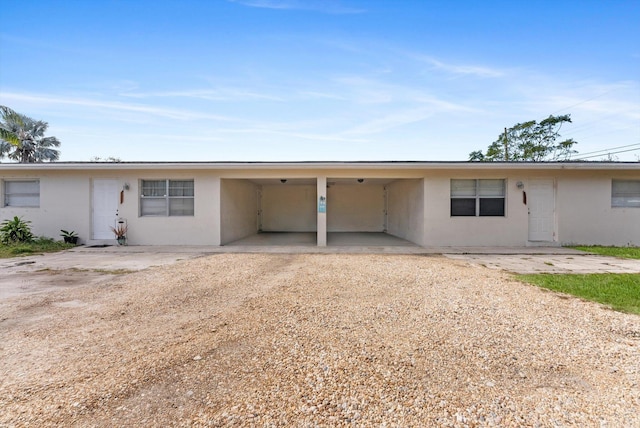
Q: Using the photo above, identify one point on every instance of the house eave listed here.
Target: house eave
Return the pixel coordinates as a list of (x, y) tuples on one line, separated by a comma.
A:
[(329, 165)]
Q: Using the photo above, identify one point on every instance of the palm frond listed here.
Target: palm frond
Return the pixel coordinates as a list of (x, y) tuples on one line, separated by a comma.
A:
[(24, 138)]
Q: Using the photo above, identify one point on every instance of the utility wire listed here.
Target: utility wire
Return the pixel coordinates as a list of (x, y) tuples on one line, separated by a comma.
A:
[(585, 101), (610, 148), (603, 154)]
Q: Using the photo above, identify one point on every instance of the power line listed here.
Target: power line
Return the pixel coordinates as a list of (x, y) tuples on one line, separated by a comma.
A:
[(611, 148), (585, 101), (603, 154), (579, 128)]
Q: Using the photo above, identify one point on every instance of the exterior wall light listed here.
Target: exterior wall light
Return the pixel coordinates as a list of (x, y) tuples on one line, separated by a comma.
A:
[(520, 185)]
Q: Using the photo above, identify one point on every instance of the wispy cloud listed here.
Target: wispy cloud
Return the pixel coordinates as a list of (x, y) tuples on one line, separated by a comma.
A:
[(401, 117), (459, 69), (225, 94), (115, 106), (322, 6), (297, 135), (321, 95)]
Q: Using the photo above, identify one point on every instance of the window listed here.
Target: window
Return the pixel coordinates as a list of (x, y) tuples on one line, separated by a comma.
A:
[(22, 193), (166, 198), (477, 198), (625, 193)]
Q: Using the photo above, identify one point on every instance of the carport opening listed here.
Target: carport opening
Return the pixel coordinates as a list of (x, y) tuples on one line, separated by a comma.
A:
[(360, 211), (374, 211), (269, 212)]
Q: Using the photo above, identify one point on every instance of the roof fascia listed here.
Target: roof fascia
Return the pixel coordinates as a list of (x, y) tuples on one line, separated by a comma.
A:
[(101, 166)]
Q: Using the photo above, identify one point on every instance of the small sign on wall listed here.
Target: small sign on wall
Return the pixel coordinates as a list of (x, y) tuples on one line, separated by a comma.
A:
[(322, 204)]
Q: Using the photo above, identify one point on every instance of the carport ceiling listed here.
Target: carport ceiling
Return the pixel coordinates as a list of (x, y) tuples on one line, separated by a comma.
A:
[(288, 182), (312, 181), (374, 181)]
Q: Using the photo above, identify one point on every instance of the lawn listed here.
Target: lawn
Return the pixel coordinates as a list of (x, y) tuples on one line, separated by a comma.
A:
[(621, 292), (624, 252), (38, 246)]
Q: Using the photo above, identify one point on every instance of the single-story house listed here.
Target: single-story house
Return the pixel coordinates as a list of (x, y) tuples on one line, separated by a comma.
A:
[(427, 203)]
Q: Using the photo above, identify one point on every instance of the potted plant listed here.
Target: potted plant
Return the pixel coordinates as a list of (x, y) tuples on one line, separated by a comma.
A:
[(121, 233), (70, 237)]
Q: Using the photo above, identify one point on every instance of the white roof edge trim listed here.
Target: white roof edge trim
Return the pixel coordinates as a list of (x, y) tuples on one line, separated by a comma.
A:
[(80, 166)]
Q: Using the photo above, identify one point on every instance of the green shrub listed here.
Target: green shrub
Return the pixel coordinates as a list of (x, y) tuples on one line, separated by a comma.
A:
[(15, 230)]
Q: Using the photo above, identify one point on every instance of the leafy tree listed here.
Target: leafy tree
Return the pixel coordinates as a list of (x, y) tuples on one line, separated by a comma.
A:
[(22, 138), (530, 141)]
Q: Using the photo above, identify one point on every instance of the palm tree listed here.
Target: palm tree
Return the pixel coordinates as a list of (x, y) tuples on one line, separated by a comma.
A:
[(22, 138)]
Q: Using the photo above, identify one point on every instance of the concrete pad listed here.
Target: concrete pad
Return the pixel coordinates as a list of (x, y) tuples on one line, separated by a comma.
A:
[(367, 239), (580, 263), (266, 239), (307, 239), (79, 266)]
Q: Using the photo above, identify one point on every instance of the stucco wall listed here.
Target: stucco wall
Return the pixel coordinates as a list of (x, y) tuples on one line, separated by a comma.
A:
[(585, 215), (238, 209), (583, 212), (405, 210), (289, 208), (441, 229), (355, 208), (66, 203), (203, 228), (63, 205)]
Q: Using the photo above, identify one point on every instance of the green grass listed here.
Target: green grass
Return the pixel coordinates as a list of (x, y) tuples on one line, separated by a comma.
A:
[(620, 292), (624, 252), (38, 246)]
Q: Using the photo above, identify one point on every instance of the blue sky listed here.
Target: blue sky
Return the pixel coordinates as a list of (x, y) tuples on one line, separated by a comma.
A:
[(269, 80)]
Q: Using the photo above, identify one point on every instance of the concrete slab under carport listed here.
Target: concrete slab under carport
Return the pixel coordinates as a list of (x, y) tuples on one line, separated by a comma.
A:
[(334, 239), (366, 239), (276, 239)]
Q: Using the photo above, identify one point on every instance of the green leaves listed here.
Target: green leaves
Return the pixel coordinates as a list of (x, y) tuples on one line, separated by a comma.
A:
[(530, 142), (15, 230), (22, 138), (68, 234)]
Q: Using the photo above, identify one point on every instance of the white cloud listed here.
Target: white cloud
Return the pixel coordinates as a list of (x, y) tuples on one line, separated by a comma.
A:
[(115, 106), (459, 69), (222, 94), (323, 6)]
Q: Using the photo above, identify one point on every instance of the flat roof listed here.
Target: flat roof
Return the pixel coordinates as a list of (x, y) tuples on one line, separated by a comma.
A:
[(425, 165)]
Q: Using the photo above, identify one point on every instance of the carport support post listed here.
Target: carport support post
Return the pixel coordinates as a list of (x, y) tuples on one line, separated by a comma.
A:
[(321, 211)]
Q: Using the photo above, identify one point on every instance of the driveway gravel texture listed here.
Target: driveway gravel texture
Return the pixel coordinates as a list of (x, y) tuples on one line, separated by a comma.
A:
[(272, 340)]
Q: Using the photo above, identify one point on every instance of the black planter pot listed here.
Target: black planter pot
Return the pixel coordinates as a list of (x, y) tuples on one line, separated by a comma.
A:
[(71, 240)]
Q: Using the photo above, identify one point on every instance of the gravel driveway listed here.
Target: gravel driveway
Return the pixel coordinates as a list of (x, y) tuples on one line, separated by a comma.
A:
[(316, 340)]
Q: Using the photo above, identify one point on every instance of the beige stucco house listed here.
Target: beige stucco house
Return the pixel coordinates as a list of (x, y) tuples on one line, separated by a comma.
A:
[(427, 203)]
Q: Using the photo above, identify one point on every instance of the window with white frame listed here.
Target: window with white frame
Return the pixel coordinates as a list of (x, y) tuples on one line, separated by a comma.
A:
[(166, 198), (625, 193), (482, 197), (22, 193)]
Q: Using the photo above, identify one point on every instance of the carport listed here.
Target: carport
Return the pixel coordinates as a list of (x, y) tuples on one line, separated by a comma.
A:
[(374, 211), (268, 211), (336, 211)]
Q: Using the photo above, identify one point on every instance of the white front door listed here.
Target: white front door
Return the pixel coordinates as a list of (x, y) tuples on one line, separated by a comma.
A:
[(541, 202), (105, 208)]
